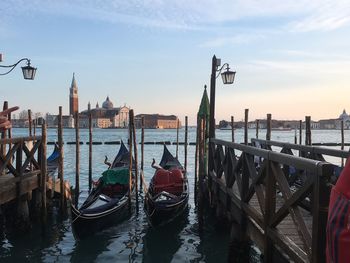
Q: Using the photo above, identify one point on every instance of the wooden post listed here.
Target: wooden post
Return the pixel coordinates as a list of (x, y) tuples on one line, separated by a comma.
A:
[(34, 126), (268, 127), (307, 130), (177, 138), (295, 136), (30, 122), (77, 156), (132, 119), (196, 161), (342, 140), (43, 169), (186, 141), (246, 111), (142, 147), (233, 128), (131, 116), (300, 131), (257, 129), (321, 194), (3, 135), (201, 169), (60, 160), (90, 151)]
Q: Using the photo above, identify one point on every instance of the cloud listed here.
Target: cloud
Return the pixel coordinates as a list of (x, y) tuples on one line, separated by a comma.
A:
[(302, 15), (234, 40)]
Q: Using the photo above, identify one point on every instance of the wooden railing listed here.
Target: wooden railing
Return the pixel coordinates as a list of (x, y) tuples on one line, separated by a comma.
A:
[(19, 162), (253, 187)]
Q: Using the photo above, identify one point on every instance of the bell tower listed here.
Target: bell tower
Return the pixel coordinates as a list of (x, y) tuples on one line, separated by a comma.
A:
[(73, 97)]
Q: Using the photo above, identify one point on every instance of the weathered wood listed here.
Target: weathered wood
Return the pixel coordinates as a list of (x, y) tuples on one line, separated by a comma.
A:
[(342, 139), (43, 169), (3, 136), (300, 132), (131, 117), (135, 157), (233, 128), (30, 122), (77, 156), (142, 147), (186, 141), (60, 159), (177, 137), (260, 196), (257, 129), (307, 130), (268, 127), (246, 111), (90, 151)]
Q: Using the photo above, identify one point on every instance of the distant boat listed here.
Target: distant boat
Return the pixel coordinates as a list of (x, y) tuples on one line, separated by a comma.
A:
[(281, 129)]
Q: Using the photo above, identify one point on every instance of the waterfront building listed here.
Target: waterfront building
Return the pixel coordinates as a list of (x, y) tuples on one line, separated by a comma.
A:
[(106, 116), (157, 121)]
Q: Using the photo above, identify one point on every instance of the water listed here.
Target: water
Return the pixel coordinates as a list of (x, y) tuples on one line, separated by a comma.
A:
[(132, 240)]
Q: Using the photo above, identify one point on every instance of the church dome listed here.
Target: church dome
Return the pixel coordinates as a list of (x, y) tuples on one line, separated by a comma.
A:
[(344, 115), (107, 104)]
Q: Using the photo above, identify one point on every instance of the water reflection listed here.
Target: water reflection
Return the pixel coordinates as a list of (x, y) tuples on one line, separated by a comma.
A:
[(161, 243)]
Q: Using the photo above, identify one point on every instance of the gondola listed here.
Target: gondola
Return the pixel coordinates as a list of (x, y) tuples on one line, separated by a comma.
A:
[(109, 202), (167, 195), (52, 161)]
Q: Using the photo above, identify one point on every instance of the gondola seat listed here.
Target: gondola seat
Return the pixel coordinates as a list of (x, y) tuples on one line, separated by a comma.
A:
[(169, 181)]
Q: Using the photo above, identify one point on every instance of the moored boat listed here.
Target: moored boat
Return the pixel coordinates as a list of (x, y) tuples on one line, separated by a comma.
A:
[(109, 202), (168, 192)]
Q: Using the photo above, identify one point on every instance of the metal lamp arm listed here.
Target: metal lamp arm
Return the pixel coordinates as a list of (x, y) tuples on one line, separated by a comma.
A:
[(219, 70), (12, 67)]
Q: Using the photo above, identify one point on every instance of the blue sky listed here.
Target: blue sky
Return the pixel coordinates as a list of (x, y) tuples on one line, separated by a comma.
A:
[(292, 57)]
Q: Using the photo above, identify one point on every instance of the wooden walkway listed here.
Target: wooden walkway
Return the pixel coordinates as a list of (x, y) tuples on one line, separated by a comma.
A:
[(279, 200)]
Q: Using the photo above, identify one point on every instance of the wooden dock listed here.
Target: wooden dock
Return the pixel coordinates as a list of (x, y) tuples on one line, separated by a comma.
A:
[(277, 200)]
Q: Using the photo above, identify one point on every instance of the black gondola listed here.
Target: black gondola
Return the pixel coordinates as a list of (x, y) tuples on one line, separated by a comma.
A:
[(167, 196), (108, 203), (52, 161)]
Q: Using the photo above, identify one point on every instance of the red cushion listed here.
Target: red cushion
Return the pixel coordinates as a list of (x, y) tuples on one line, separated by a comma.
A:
[(170, 181)]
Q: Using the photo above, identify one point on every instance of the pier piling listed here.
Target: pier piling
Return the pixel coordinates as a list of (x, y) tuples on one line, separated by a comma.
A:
[(77, 157)]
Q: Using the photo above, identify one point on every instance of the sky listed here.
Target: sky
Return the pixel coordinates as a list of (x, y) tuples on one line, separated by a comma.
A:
[(292, 57)]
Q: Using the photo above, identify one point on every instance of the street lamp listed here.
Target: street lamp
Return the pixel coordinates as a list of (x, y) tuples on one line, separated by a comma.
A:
[(28, 71), (227, 78)]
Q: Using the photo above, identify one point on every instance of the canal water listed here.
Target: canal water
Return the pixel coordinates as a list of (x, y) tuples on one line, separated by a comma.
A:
[(133, 240)]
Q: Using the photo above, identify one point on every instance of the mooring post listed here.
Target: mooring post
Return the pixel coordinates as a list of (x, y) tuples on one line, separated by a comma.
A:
[(60, 160), (201, 169), (30, 122), (131, 114), (186, 141), (196, 162), (43, 170), (3, 135), (342, 140), (246, 111), (233, 128), (268, 127), (142, 147), (177, 137), (257, 129), (300, 131), (295, 136), (321, 193), (34, 127), (90, 150), (307, 130), (136, 159), (77, 157)]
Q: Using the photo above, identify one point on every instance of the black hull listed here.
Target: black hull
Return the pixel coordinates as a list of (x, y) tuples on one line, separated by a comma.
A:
[(160, 213), (84, 225)]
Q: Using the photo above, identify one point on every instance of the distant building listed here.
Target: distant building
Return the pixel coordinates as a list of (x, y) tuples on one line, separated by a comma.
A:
[(52, 121), (105, 117), (73, 98), (157, 121)]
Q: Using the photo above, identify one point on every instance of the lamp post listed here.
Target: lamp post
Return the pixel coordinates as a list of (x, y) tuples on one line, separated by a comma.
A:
[(28, 71), (227, 78)]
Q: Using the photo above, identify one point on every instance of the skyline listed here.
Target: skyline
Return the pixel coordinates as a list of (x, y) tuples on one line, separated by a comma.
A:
[(291, 59)]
